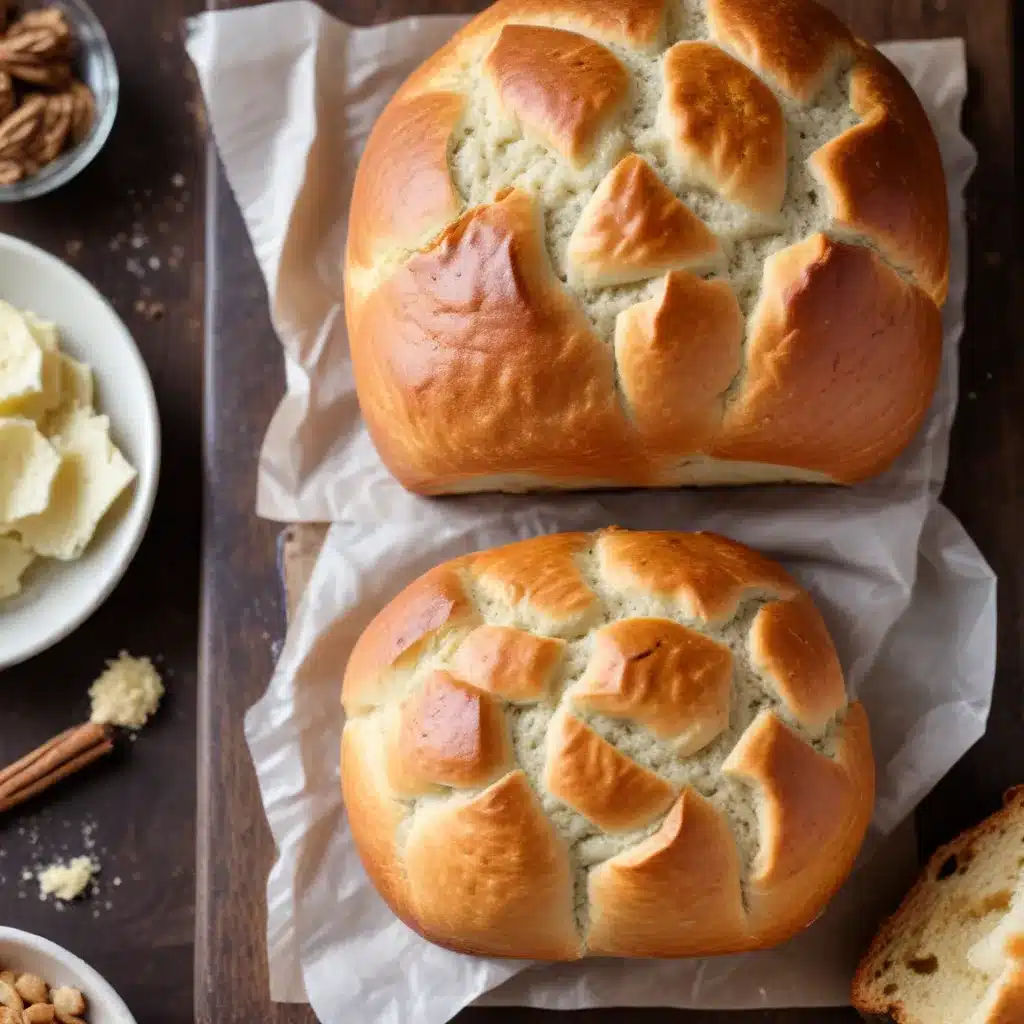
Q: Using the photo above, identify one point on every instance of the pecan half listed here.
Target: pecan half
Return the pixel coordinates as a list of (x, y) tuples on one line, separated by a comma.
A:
[(44, 32), (37, 49), (46, 145), (7, 98), (17, 130), (83, 111)]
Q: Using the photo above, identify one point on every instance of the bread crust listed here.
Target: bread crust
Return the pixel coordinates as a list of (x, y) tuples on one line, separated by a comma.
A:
[(634, 227), (623, 797), (561, 86), (812, 371), (911, 229), (724, 126), (669, 678), (481, 358)]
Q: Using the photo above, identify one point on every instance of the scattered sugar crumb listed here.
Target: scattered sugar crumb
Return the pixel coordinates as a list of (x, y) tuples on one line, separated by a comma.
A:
[(73, 248), (66, 881), (138, 241), (972, 395), (154, 262), (117, 881), (178, 180), (127, 693)]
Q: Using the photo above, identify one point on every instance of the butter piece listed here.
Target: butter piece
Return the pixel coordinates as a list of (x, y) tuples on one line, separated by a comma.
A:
[(21, 361), (92, 474), (14, 560), (28, 468), (76, 387), (45, 333)]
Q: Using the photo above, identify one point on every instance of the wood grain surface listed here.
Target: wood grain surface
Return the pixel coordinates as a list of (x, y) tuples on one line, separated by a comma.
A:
[(241, 582), (139, 806)]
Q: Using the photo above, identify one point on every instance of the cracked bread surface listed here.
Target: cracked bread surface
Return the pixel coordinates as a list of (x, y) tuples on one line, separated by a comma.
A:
[(620, 743), (649, 243)]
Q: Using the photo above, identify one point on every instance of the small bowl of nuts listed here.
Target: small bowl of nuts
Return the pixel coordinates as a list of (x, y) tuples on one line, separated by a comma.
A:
[(58, 94), (41, 983)]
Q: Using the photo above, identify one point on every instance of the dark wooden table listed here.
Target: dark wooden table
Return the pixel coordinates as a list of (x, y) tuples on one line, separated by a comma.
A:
[(142, 807)]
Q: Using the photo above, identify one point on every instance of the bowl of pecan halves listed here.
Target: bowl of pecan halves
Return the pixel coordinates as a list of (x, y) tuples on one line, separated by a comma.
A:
[(58, 94)]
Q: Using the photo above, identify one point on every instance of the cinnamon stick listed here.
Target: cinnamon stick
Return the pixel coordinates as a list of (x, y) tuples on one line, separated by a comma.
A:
[(54, 760)]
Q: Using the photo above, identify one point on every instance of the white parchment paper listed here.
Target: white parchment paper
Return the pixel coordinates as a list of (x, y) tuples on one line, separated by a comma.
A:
[(292, 94)]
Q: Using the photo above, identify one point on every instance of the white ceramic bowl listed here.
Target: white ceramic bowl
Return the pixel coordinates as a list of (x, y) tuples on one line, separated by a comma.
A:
[(57, 596), (21, 951)]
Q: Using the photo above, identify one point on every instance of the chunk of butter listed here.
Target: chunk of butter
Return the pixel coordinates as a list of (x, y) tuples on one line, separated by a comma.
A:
[(28, 467), (21, 361), (14, 560), (75, 383), (36, 406), (92, 474)]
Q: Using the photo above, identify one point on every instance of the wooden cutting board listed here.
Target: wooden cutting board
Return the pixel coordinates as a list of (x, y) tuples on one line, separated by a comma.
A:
[(244, 607)]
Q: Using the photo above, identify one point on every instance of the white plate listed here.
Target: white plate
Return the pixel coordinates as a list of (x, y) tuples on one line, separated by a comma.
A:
[(24, 953), (57, 597)]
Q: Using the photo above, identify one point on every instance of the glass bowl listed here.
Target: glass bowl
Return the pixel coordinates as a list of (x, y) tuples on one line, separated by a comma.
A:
[(94, 65)]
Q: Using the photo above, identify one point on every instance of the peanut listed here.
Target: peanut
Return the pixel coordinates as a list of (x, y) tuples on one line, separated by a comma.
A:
[(32, 988), (68, 1001), (39, 1013), (10, 998)]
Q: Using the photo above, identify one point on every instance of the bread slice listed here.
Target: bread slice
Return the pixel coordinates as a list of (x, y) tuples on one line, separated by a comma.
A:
[(954, 951)]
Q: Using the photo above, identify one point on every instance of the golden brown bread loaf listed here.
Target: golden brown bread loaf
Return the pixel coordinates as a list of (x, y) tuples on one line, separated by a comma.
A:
[(647, 243), (615, 744)]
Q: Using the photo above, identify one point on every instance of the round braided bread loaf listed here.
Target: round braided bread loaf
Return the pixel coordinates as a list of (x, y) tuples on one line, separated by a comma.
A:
[(620, 744), (647, 243)]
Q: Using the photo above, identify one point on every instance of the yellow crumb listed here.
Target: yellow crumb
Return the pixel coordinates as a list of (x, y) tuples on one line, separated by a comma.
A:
[(127, 693)]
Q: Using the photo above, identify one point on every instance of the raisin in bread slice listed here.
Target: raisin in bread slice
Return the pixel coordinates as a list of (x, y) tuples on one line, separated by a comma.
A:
[(954, 951)]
